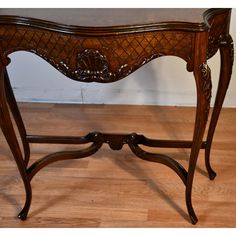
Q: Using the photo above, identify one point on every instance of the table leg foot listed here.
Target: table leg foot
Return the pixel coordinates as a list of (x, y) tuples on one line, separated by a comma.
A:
[(192, 216), (211, 172), (22, 215), (24, 212), (193, 219)]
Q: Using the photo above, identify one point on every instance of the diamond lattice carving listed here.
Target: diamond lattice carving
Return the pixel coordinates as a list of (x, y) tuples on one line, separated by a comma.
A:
[(124, 53)]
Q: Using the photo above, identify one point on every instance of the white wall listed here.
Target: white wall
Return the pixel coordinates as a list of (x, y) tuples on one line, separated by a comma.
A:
[(166, 82)]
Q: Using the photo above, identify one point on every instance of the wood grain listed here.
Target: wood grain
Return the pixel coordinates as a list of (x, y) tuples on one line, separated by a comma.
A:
[(116, 189)]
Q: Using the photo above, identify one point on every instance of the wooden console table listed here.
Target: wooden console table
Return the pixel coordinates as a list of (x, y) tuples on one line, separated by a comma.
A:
[(106, 45)]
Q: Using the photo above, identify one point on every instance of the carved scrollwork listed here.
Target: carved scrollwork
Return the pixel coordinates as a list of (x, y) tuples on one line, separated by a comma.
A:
[(230, 44), (206, 83), (218, 33), (92, 66), (213, 45), (222, 41)]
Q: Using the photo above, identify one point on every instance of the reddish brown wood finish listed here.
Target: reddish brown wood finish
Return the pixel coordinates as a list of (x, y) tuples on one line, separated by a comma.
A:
[(108, 53)]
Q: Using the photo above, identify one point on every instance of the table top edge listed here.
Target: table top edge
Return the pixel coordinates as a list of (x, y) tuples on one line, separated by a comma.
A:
[(112, 30)]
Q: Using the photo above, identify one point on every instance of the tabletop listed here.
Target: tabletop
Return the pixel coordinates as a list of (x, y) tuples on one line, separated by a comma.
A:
[(109, 17)]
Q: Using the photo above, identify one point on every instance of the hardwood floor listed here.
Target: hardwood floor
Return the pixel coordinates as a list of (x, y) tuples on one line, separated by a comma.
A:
[(115, 188)]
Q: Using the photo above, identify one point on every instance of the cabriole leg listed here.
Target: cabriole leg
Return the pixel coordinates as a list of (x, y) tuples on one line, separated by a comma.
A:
[(227, 56), (203, 81), (9, 133)]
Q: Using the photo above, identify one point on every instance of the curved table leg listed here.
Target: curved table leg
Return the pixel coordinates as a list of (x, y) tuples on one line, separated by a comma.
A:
[(203, 82), (227, 55), (9, 133), (17, 116)]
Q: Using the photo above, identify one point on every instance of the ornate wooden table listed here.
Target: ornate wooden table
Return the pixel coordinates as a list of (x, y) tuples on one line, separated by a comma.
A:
[(106, 45)]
